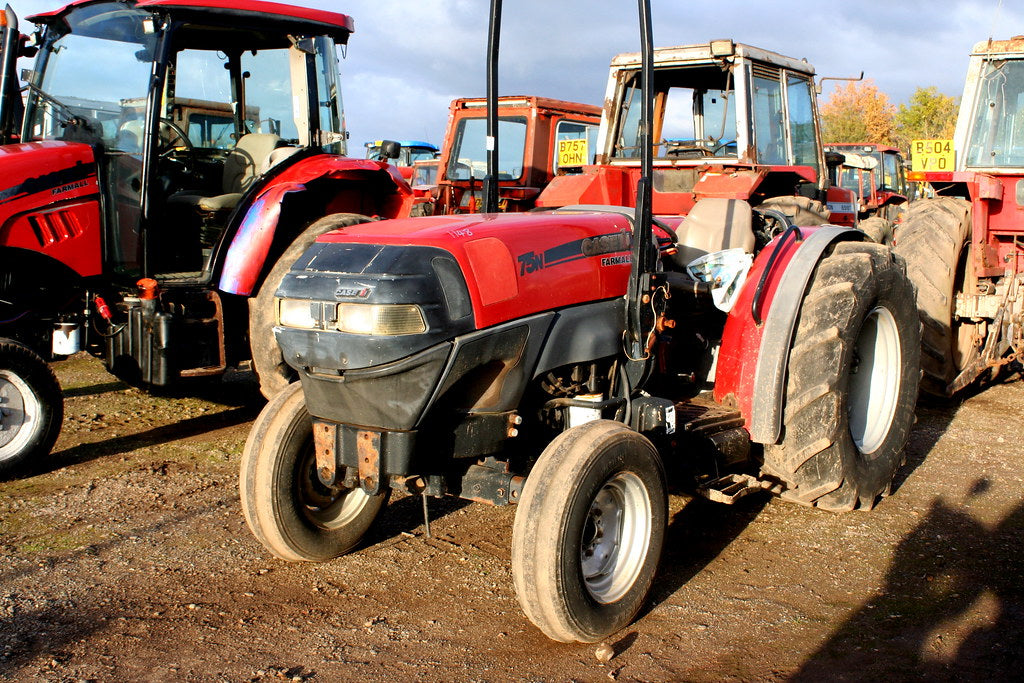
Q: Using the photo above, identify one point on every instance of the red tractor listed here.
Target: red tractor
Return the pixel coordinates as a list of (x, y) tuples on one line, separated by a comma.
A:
[(875, 174), (189, 144), (730, 120), (532, 131), (964, 248), (564, 360)]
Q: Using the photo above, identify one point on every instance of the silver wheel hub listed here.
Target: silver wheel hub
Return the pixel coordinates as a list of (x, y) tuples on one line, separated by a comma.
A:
[(20, 414), (327, 507), (874, 380), (616, 537)]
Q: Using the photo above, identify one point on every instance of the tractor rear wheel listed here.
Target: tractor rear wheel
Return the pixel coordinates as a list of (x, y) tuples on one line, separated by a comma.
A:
[(878, 229), (800, 210), (933, 241), (31, 407), (588, 531), (274, 374), (287, 507), (852, 383)]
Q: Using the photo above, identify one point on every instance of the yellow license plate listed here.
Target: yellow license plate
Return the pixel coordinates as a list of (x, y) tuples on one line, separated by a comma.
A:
[(572, 152), (931, 155)]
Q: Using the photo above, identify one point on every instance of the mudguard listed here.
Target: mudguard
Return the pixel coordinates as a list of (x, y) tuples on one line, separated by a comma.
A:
[(754, 354), (55, 212), (366, 187)]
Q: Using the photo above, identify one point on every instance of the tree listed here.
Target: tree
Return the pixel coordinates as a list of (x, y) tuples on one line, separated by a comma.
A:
[(929, 115), (858, 112)]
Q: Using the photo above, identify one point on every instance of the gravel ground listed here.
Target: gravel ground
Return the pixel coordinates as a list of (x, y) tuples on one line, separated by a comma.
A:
[(127, 558)]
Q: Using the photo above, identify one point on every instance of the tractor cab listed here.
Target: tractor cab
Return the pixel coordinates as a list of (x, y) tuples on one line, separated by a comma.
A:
[(730, 120), (876, 175), (183, 110)]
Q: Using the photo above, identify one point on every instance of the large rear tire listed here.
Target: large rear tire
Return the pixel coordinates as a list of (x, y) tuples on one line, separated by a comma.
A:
[(268, 363), (878, 229), (588, 532), (933, 241), (852, 383), (800, 210), (31, 407), (287, 508)]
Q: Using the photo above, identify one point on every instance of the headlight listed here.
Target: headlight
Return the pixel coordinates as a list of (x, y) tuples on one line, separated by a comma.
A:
[(298, 313), (382, 319), (377, 319)]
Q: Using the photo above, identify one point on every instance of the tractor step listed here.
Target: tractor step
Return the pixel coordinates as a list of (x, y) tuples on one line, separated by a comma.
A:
[(704, 417), (732, 487)]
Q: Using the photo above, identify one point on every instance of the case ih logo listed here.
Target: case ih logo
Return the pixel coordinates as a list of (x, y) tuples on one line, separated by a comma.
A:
[(352, 292)]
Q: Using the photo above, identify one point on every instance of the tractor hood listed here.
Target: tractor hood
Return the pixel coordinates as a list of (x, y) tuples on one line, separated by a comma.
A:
[(515, 264), (49, 203)]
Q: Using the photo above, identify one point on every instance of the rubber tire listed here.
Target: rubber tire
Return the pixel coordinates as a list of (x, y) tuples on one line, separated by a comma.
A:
[(267, 362), (800, 210), (878, 229), (549, 525), (20, 364), (933, 240), (280, 441), (817, 457)]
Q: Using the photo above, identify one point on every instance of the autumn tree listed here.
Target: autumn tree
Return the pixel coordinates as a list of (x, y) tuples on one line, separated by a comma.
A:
[(858, 112), (929, 115)]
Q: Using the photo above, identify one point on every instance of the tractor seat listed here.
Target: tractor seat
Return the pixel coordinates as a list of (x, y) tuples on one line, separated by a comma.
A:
[(247, 161), (714, 224)]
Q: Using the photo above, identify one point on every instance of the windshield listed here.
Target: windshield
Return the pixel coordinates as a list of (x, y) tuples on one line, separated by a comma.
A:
[(95, 78), (469, 153), (695, 112), (997, 132)]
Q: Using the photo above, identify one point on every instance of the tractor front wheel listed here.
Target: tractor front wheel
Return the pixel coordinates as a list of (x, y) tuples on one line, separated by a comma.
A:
[(268, 363), (31, 407), (588, 532), (852, 384), (292, 513)]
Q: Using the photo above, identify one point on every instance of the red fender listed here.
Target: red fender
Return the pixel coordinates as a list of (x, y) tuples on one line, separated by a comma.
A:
[(366, 187), (754, 355)]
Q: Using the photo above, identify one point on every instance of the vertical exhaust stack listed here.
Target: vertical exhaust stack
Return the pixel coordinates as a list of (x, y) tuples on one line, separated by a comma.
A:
[(491, 179), (644, 255), (8, 58)]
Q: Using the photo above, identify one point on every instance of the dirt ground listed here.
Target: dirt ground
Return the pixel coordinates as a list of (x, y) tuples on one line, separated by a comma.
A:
[(127, 558)]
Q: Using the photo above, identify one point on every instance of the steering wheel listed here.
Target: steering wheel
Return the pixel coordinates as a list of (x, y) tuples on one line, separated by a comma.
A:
[(169, 146), (681, 147)]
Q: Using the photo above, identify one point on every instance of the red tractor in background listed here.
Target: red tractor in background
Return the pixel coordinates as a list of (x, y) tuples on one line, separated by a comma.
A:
[(565, 360), (532, 131), (730, 120), (174, 158), (409, 152), (876, 175), (964, 247)]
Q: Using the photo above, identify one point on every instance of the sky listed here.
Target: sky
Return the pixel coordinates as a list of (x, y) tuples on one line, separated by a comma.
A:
[(409, 58)]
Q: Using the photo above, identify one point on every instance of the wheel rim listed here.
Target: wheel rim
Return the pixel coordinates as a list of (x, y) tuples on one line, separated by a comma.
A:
[(20, 414), (324, 506), (616, 537), (874, 380)]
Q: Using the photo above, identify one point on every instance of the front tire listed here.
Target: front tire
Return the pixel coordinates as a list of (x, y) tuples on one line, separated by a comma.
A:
[(588, 532), (852, 384), (31, 407), (268, 363), (287, 508)]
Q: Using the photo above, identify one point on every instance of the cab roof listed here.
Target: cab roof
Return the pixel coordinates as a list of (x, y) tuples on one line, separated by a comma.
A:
[(287, 17)]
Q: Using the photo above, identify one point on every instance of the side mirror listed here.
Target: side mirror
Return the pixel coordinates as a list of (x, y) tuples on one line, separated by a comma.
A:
[(389, 149)]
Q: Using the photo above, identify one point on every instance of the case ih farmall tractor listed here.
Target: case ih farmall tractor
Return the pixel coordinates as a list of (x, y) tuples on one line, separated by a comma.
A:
[(965, 247), (190, 143), (730, 120), (562, 360)]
